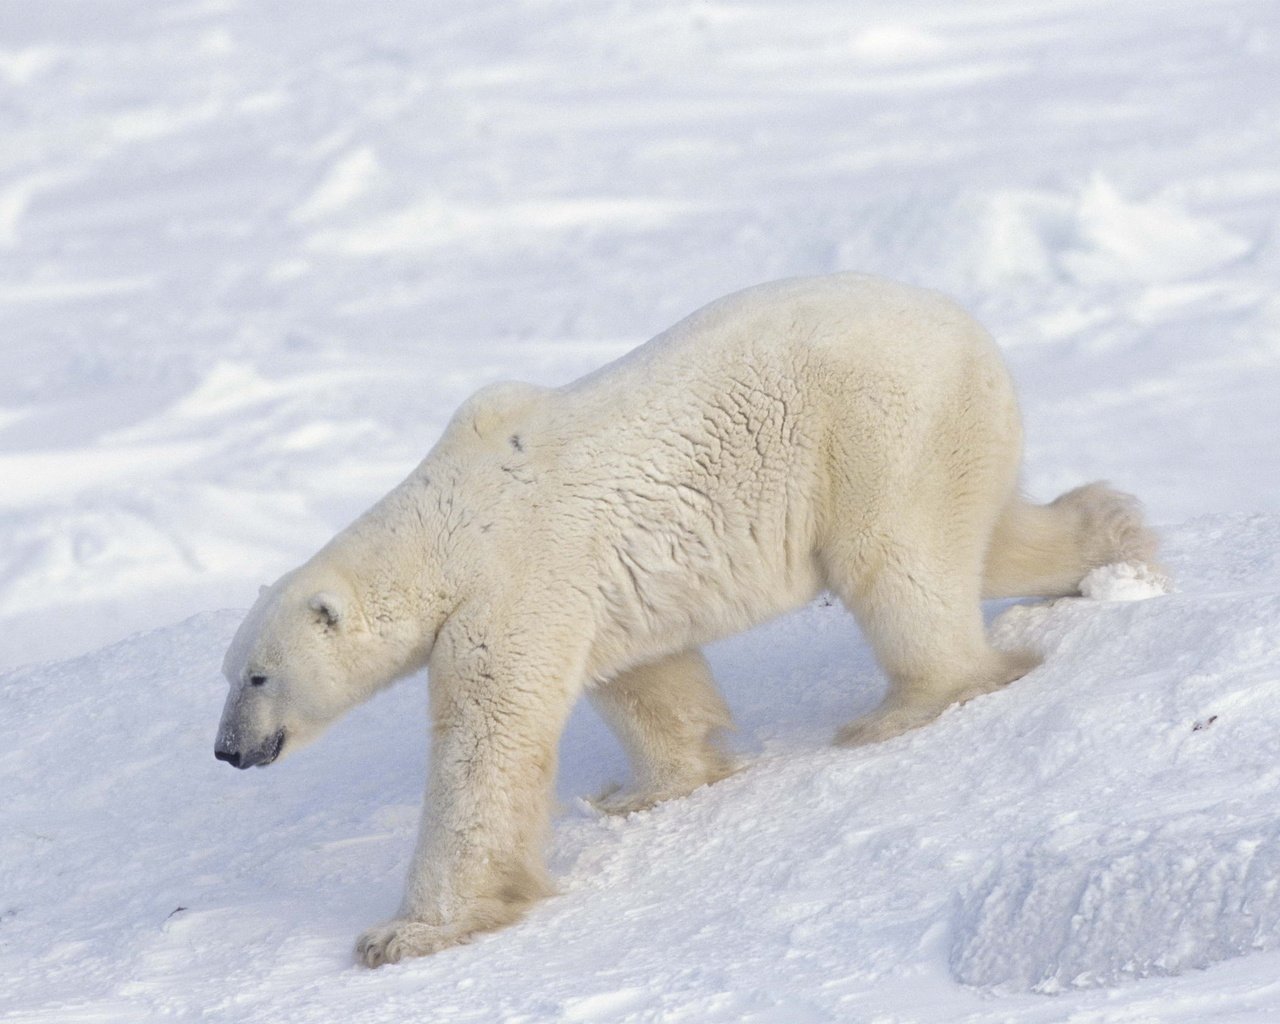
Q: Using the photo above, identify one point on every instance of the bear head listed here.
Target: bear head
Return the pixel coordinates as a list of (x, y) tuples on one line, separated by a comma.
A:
[(294, 666)]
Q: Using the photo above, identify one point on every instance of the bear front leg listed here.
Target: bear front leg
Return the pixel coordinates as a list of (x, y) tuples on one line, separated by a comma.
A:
[(479, 859)]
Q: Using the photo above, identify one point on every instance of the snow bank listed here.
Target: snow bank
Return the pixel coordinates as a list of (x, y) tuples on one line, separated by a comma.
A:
[(1108, 818), (1162, 866)]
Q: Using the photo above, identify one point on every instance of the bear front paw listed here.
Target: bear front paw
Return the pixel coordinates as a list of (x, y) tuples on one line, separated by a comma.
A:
[(402, 938)]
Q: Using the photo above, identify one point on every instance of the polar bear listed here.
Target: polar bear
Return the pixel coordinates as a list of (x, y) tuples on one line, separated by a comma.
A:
[(840, 433)]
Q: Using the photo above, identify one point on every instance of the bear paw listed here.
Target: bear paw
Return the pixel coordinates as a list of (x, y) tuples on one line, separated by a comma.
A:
[(616, 800), (885, 724), (402, 938)]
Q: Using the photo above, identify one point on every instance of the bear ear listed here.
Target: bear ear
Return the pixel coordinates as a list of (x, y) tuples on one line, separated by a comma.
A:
[(329, 609)]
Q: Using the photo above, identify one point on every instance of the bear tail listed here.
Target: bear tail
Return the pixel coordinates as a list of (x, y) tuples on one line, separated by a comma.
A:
[(1046, 550)]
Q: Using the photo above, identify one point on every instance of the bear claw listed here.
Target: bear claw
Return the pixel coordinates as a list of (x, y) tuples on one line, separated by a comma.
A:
[(402, 939)]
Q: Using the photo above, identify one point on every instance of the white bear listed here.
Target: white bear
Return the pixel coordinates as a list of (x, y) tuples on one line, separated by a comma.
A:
[(841, 433)]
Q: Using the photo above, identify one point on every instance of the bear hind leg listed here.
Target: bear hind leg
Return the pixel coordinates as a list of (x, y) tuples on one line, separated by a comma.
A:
[(919, 606), (1046, 550), (668, 715)]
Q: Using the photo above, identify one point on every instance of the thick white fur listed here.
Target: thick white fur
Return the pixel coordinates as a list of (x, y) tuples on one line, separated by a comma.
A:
[(840, 432)]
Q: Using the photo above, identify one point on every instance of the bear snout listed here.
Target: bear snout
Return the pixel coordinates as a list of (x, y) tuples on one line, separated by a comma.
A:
[(232, 757), (262, 755)]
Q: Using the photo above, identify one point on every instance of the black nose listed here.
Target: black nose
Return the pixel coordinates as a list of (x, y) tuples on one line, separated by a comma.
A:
[(232, 757)]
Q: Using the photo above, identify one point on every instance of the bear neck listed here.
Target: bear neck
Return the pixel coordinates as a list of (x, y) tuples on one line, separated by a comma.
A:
[(390, 558)]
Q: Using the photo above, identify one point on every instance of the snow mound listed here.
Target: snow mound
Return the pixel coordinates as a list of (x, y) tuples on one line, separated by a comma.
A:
[(1095, 914), (1125, 581), (1157, 853)]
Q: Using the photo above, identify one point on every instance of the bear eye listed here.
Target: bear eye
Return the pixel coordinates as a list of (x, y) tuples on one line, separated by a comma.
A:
[(257, 680)]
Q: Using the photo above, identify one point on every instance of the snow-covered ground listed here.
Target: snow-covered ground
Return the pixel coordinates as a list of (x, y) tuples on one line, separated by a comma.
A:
[(252, 255)]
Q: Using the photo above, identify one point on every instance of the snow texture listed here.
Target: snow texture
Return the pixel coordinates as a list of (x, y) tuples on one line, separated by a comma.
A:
[(1125, 581), (252, 256)]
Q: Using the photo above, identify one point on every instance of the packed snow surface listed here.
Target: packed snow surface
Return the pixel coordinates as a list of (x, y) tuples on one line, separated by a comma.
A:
[(252, 255)]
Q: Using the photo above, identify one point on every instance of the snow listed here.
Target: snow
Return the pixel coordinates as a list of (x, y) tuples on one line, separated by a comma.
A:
[(1108, 818), (1125, 581), (252, 257)]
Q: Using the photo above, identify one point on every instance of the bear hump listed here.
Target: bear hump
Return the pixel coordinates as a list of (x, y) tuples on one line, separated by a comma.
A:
[(495, 408)]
